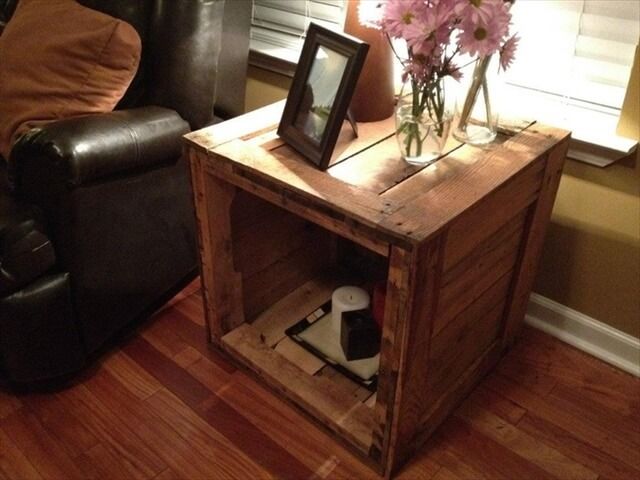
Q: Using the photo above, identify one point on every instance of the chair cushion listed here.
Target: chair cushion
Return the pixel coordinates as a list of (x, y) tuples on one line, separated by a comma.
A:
[(59, 59)]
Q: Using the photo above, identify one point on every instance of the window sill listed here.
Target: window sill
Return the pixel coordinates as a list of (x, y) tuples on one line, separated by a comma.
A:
[(272, 63), (593, 137)]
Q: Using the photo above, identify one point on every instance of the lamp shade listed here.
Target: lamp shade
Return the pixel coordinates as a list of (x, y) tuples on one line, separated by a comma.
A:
[(373, 99)]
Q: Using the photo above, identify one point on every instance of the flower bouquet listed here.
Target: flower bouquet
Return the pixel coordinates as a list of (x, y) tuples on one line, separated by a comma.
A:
[(438, 34)]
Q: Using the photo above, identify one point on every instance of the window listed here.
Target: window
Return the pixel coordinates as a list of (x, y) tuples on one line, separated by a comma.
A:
[(573, 65), (571, 69), (278, 27)]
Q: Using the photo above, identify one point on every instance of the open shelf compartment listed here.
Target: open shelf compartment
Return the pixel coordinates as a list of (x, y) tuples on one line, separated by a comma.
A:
[(284, 268)]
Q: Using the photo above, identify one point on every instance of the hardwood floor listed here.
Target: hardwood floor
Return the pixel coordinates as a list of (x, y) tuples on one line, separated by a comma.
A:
[(163, 405)]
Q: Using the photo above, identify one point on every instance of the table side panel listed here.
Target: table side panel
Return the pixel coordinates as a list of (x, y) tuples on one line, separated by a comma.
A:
[(222, 284), (532, 247)]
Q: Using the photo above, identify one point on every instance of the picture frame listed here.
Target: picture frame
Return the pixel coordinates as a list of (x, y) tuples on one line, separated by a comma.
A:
[(322, 87)]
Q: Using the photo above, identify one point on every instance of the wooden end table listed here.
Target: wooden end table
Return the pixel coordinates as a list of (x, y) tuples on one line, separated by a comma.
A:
[(457, 244)]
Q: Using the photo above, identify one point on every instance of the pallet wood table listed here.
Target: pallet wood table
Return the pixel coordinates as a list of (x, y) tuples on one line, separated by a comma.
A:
[(457, 244)]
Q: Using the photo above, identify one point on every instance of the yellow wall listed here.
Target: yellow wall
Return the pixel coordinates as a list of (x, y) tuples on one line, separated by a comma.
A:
[(264, 87), (591, 259)]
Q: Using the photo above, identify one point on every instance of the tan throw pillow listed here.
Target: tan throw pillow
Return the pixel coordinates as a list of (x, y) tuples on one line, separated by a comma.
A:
[(59, 59)]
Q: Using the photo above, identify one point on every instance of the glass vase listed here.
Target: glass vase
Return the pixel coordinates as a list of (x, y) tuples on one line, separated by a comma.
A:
[(421, 132), (476, 115)]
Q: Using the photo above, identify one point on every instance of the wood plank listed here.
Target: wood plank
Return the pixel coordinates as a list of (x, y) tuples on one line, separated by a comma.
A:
[(265, 118), (272, 323), (545, 457), (62, 423), (139, 461), (462, 286), (286, 274), (293, 431), (361, 234), (416, 369), (286, 176), (394, 337), (424, 215), (333, 407), (483, 304), (307, 362), (553, 362), (440, 408), (498, 405), (454, 350), (456, 265), (272, 236), (131, 375), (46, 455), (358, 392), (506, 206), (573, 447), (13, 462), (483, 452), (559, 416), (102, 462), (196, 448), (210, 408), (527, 268)]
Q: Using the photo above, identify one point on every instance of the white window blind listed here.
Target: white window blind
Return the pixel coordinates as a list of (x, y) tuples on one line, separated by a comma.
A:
[(278, 26), (581, 49), (573, 63)]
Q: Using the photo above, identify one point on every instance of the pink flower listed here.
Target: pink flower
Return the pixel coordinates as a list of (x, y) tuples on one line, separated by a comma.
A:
[(508, 52), (483, 38), (478, 11), (398, 14)]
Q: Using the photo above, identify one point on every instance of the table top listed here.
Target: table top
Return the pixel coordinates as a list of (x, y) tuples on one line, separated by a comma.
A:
[(368, 182)]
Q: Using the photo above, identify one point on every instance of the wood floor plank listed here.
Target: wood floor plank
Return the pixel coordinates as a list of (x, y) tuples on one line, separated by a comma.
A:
[(43, 452), (167, 372), (290, 429), (137, 380), (523, 444), (498, 405), (232, 462), (244, 435), (102, 462), (62, 423), (488, 455), (13, 462), (139, 461), (194, 335), (165, 405), (622, 426), (581, 451), (188, 454), (580, 427), (541, 354), (216, 412)]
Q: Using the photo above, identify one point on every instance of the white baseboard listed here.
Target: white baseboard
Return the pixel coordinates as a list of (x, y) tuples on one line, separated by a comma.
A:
[(584, 333)]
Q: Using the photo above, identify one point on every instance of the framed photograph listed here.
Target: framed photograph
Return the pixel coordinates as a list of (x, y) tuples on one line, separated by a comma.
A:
[(323, 84)]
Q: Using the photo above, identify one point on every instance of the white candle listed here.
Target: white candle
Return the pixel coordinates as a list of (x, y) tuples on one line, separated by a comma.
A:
[(346, 299)]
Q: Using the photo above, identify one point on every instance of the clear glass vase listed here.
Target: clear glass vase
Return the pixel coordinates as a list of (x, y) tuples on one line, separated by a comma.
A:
[(476, 115), (421, 132)]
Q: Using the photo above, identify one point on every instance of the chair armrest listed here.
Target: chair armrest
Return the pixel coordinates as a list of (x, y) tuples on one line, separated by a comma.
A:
[(26, 252), (89, 148)]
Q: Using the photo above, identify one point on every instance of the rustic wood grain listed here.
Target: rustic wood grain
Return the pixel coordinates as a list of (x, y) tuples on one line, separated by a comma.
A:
[(551, 412), (332, 405)]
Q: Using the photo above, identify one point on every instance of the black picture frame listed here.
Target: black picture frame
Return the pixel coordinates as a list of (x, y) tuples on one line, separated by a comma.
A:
[(328, 70)]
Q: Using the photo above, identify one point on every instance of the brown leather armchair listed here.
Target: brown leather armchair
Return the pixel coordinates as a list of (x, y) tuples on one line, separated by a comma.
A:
[(96, 217)]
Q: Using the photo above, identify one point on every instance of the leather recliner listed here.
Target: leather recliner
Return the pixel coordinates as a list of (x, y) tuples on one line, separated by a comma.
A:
[(96, 218)]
